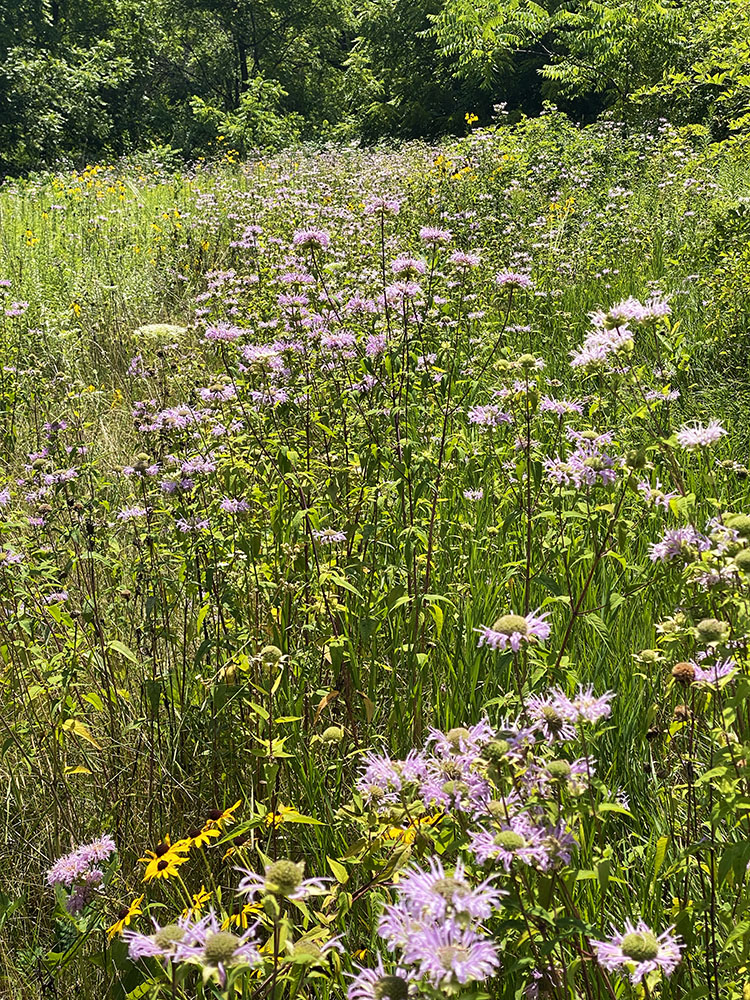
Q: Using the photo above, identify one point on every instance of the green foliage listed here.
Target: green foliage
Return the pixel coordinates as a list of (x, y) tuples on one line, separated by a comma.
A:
[(258, 121)]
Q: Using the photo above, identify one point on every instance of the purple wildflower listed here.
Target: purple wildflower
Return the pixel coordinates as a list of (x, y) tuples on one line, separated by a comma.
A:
[(449, 954), (215, 949), (434, 237), (683, 543), (489, 416), (513, 630), (639, 951), (223, 331), (700, 435), (512, 279), (377, 984), (436, 895), (311, 239), (282, 878), (518, 840)]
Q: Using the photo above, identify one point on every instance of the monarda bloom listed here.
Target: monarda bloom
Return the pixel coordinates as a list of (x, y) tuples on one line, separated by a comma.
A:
[(639, 951), (311, 239), (514, 630), (282, 878), (449, 955), (434, 237), (700, 435), (378, 984), (512, 279), (437, 895)]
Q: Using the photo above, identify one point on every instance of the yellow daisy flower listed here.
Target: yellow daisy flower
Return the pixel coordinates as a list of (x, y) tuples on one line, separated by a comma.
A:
[(164, 867), (201, 837), (124, 917), (242, 919), (222, 818), (200, 899), (275, 819)]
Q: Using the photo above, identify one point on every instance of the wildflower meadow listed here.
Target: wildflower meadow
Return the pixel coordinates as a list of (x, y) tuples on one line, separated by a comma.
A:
[(375, 570)]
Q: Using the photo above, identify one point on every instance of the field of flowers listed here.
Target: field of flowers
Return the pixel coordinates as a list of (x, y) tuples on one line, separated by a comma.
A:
[(375, 569)]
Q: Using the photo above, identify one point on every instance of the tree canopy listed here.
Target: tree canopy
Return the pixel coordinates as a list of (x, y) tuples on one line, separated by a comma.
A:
[(87, 79)]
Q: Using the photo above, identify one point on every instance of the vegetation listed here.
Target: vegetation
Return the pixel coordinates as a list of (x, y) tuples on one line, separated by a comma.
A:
[(328, 460), (92, 79)]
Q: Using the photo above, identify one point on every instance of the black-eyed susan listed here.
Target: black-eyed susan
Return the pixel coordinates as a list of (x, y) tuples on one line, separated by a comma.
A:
[(198, 904), (408, 834), (124, 917), (201, 836), (242, 920), (223, 817), (237, 843), (164, 867), (275, 819)]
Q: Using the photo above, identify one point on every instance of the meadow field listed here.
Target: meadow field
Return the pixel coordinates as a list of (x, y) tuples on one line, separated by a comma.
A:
[(375, 569)]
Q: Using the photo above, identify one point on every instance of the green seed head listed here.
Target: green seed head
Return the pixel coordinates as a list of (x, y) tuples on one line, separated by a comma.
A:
[(740, 523), (509, 840), (455, 736), (509, 624), (271, 654), (636, 458), (391, 988), (450, 769), (712, 630), (558, 770), (450, 953), (284, 877), (641, 946), (496, 751), (334, 734), (553, 719), (497, 810), (527, 361), (220, 947), (449, 888), (168, 936), (649, 656), (455, 788)]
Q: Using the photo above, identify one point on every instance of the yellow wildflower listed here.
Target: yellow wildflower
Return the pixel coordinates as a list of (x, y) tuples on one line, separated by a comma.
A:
[(124, 917)]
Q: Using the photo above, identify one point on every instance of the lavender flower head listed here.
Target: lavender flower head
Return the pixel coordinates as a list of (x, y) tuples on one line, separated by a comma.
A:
[(217, 950), (639, 951), (519, 840), (514, 630), (81, 862), (448, 955), (700, 435), (282, 878), (462, 739), (311, 239), (434, 236), (512, 279), (163, 943), (435, 895), (377, 984)]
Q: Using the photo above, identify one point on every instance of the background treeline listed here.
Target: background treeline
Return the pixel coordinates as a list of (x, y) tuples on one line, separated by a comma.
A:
[(86, 79)]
